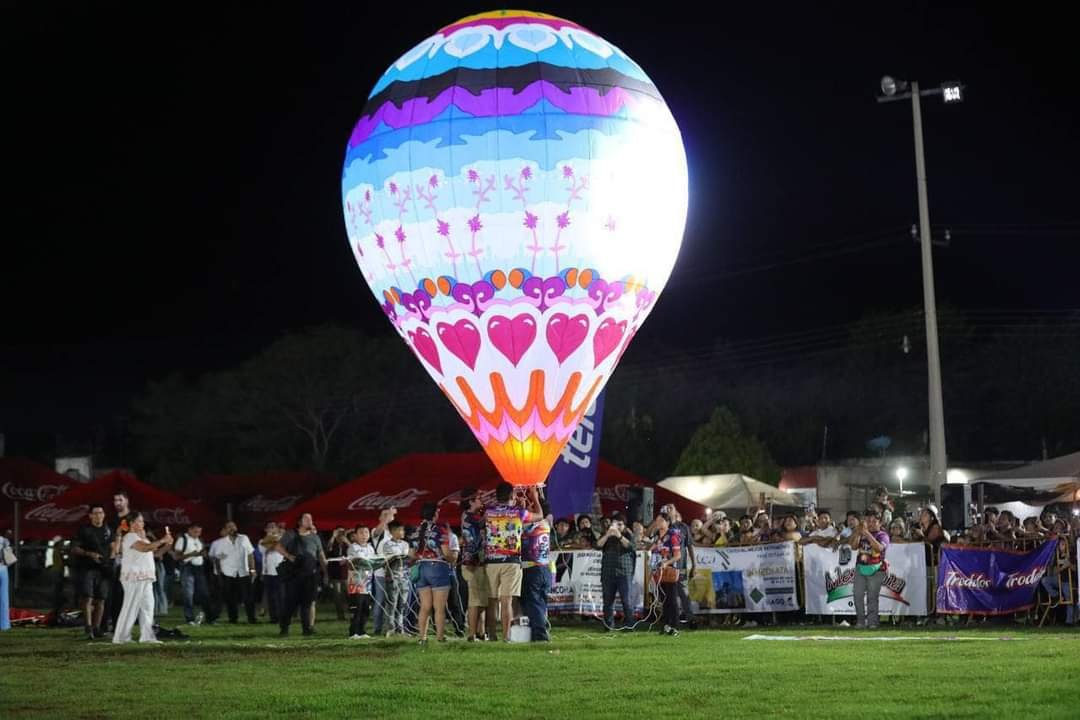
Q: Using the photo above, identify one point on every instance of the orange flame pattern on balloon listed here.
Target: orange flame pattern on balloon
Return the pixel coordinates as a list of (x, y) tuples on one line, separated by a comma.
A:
[(524, 442)]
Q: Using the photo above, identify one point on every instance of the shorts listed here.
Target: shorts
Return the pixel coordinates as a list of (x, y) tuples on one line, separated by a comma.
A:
[(434, 575), (503, 579), (94, 583), (476, 579)]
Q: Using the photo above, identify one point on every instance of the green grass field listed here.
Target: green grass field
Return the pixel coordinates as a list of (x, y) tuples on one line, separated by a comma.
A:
[(240, 671)]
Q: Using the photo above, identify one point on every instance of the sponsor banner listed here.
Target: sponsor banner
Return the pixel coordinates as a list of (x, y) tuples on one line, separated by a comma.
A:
[(990, 581), (572, 479), (576, 588), (751, 578), (829, 574)]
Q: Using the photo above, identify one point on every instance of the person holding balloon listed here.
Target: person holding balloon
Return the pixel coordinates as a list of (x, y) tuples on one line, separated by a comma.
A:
[(536, 570), (505, 523)]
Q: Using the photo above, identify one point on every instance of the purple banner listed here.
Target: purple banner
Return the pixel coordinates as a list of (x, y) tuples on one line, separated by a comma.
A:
[(990, 581), (572, 481)]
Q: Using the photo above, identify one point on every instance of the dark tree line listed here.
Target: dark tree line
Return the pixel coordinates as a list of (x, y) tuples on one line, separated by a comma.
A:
[(336, 400)]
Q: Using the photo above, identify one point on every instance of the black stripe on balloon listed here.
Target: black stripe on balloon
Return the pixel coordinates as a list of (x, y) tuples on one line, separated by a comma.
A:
[(518, 78)]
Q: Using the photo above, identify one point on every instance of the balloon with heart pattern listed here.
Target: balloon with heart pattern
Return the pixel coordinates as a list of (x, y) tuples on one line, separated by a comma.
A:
[(515, 194)]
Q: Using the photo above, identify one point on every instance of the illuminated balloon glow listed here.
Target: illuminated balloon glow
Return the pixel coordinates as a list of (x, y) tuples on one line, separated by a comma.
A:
[(515, 194)]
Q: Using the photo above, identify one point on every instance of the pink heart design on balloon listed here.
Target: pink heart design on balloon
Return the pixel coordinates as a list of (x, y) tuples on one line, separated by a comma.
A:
[(512, 337), (565, 334), (462, 338), (425, 347), (606, 339)]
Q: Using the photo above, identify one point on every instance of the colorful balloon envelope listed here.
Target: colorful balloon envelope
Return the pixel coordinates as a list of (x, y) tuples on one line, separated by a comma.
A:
[(515, 195)]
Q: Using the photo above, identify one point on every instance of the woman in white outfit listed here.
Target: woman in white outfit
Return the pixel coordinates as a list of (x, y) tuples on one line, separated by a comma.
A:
[(137, 575)]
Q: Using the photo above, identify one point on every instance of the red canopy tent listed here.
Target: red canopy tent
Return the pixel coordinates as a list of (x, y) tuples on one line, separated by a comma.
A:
[(29, 482), (63, 515), (411, 481), (257, 498)]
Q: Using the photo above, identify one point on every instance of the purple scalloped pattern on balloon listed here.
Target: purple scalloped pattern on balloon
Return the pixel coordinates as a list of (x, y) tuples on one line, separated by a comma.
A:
[(492, 102), (418, 302), (391, 312), (543, 289), (603, 292), (474, 296)]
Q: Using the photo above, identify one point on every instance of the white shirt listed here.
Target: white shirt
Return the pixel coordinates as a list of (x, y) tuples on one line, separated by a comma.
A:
[(829, 532), (232, 555), (136, 565), (188, 544), (390, 547), (362, 551), (271, 559)]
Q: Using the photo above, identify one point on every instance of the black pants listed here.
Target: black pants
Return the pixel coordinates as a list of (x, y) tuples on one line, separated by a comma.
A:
[(272, 591), (670, 593), (616, 585), (114, 602), (361, 609), (685, 614), (299, 593), (237, 591)]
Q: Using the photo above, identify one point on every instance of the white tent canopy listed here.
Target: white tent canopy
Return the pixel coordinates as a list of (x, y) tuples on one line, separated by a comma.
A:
[(727, 492), (1060, 475)]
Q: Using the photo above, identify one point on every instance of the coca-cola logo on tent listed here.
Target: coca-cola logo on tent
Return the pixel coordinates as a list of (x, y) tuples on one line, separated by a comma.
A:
[(263, 504), (51, 513), (618, 493), (170, 516), (486, 496), (42, 493), (378, 501)]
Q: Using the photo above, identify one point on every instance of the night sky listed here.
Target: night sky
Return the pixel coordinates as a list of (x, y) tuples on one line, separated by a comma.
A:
[(172, 176)]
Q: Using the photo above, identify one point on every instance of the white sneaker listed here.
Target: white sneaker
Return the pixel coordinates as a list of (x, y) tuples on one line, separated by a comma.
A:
[(365, 636), (151, 642), (844, 623), (199, 618), (356, 637)]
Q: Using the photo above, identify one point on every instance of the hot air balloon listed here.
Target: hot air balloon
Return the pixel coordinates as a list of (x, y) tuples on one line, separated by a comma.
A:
[(515, 194)]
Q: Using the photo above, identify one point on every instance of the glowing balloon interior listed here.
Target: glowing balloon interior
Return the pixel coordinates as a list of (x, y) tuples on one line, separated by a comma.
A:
[(515, 195)]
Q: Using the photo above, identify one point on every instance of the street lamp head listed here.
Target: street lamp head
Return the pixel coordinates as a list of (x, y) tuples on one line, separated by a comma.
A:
[(901, 474), (891, 86)]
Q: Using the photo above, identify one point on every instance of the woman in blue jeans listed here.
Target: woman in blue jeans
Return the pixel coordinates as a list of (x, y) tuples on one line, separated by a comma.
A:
[(5, 611), (436, 557)]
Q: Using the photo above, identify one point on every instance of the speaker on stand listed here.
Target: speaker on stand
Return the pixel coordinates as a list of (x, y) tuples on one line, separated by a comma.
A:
[(639, 505), (955, 504)]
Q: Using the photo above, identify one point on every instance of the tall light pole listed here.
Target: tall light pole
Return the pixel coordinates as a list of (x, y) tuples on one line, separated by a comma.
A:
[(951, 92)]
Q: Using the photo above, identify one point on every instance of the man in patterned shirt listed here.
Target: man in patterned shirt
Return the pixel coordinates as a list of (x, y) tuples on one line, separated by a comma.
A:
[(504, 522), (472, 557)]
